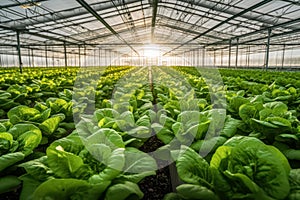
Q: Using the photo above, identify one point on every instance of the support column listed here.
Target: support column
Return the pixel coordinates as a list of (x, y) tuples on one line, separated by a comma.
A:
[(105, 58), (46, 54), (268, 49), (29, 59), (94, 59), (248, 57), (79, 59), (195, 58), (229, 54), (214, 58), (283, 55), (1, 64), (237, 53), (203, 56), (84, 55), (99, 58), (111, 55), (32, 57), (222, 58), (65, 51), (53, 60), (19, 51)]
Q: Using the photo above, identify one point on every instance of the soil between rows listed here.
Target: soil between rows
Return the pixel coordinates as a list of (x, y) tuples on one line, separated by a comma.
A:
[(155, 187)]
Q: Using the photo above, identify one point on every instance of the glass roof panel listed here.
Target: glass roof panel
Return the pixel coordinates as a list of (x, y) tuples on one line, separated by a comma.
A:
[(177, 21)]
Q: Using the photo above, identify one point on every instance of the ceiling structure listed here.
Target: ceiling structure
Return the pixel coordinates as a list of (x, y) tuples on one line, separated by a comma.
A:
[(125, 26)]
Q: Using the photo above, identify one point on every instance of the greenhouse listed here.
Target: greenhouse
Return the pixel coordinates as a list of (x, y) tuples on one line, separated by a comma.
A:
[(150, 99)]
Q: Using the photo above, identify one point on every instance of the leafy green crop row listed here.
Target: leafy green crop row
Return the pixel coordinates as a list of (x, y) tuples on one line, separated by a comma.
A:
[(244, 167), (75, 134)]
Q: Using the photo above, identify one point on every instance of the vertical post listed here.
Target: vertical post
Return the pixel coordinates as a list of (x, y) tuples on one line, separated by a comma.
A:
[(32, 57), (203, 56), (84, 55), (105, 63), (237, 53), (214, 58), (222, 58), (229, 54), (29, 60), (53, 60), (6, 60), (248, 57), (1, 60), (268, 49), (283, 55), (195, 58), (75, 60), (191, 58), (198, 62), (99, 58), (94, 59), (65, 51), (110, 57), (79, 59), (19, 51), (46, 54)]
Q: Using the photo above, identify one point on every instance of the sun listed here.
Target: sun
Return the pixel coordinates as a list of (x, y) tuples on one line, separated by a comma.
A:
[(151, 51)]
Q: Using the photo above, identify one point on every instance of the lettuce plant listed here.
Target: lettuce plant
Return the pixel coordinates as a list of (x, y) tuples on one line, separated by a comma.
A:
[(98, 166), (243, 168)]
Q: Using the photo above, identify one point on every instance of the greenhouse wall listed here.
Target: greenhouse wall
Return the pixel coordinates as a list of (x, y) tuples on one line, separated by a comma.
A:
[(248, 57)]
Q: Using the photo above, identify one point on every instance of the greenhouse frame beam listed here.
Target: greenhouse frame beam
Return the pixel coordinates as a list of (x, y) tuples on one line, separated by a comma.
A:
[(187, 23), (205, 4), (25, 31), (285, 45), (221, 23), (154, 13), (237, 53), (188, 30), (142, 26), (32, 61), (120, 31), (65, 54), (142, 44), (104, 44), (97, 16), (229, 54), (47, 37), (268, 49), (19, 51), (29, 55), (248, 42), (46, 55), (88, 19), (283, 56), (259, 31), (293, 2), (79, 59), (167, 5), (55, 16), (30, 48), (21, 3)]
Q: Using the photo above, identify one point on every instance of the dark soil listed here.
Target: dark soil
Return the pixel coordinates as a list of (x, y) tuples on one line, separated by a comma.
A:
[(13, 195), (157, 186)]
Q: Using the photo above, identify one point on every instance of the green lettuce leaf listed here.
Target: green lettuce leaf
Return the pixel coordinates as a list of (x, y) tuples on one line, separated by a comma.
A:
[(122, 191)]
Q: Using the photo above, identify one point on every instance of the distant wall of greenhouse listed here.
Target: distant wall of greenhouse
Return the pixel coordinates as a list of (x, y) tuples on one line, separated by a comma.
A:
[(288, 58)]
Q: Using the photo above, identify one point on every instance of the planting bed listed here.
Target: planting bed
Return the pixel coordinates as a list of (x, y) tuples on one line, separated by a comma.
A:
[(90, 134)]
